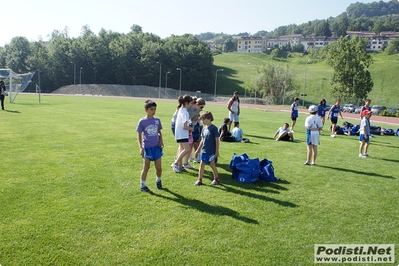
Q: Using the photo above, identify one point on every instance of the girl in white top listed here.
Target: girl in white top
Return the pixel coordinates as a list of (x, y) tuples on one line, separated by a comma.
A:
[(313, 126), (182, 129)]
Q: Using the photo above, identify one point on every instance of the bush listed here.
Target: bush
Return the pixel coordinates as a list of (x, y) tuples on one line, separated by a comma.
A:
[(388, 113)]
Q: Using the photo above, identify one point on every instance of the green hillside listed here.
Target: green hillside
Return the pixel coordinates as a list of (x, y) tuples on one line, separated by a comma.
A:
[(240, 70)]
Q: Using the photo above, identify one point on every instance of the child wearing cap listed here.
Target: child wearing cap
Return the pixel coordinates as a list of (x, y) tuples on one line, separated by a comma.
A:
[(313, 126), (364, 136)]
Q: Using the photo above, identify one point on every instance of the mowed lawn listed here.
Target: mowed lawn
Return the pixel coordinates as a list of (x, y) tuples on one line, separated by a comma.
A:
[(69, 191)]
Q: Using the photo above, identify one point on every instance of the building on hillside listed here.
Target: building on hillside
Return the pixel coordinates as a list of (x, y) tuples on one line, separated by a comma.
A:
[(283, 40), (212, 46), (250, 44), (362, 34), (375, 42), (317, 41)]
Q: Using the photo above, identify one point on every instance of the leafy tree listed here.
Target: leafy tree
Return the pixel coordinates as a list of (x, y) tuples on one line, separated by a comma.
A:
[(17, 54), (136, 29), (229, 46), (261, 33), (60, 57), (322, 29), (340, 25), (274, 80), (350, 61), (300, 48), (393, 47)]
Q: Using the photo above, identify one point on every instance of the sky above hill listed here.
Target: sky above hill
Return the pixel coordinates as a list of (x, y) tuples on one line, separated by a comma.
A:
[(37, 19)]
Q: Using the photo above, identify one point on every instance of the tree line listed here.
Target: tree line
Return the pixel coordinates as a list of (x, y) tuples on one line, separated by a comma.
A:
[(134, 58)]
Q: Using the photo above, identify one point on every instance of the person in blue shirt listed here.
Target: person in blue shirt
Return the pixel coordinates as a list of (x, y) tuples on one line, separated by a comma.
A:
[(237, 133), (365, 107), (333, 113), (284, 133), (150, 142), (209, 147), (321, 111), (294, 112)]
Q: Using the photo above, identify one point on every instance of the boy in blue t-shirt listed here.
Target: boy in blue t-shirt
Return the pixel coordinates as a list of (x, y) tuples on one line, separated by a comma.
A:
[(294, 112), (209, 147), (149, 138)]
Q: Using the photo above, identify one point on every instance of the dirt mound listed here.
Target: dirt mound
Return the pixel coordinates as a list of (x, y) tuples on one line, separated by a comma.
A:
[(127, 91), (111, 90)]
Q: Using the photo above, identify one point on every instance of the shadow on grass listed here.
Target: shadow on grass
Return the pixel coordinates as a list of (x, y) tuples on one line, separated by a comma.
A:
[(249, 194), (385, 159), (204, 207), (356, 172), (388, 145), (259, 137), (228, 184), (13, 111)]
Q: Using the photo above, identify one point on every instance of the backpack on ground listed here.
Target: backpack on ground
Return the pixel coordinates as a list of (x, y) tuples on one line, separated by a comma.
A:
[(389, 132), (375, 130), (246, 170), (267, 171)]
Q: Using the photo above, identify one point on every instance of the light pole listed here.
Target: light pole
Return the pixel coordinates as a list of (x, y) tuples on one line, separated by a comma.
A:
[(80, 80), (304, 89), (160, 75), (166, 83), (178, 69), (216, 79), (74, 73)]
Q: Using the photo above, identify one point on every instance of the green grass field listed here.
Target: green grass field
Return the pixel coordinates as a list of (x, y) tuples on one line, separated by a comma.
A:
[(70, 191), (240, 71)]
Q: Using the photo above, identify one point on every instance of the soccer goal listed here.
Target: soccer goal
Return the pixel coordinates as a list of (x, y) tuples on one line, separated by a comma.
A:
[(15, 83)]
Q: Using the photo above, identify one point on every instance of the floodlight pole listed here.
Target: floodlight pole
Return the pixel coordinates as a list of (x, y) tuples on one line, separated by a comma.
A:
[(216, 79), (80, 80), (160, 76), (304, 88), (166, 83), (38, 77), (178, 69), (10, 85)]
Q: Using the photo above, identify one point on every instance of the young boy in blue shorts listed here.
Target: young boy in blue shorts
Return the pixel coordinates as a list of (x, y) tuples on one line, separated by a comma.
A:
[(149, 138), (209, 147), (294, 112)]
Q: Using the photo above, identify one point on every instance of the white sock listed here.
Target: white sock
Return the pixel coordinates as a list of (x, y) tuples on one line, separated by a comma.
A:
[(142, 183), (158, 178)]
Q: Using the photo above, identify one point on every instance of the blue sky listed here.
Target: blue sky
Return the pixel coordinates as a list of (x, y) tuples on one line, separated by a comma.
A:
[(37, 19)]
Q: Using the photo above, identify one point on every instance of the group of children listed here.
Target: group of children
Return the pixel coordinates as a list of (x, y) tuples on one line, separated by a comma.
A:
[(187, 123), (186, 127), (315, 122)]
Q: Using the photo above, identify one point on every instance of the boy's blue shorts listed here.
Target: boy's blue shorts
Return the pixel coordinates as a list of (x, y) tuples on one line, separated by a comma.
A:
[(207, 158), (362, 138), (153, 153)]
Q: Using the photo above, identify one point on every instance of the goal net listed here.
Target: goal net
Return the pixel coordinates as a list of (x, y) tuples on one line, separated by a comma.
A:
[(15, 83)]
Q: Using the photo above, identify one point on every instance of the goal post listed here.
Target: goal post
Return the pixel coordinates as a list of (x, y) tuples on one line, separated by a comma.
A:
[(15, 83)]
